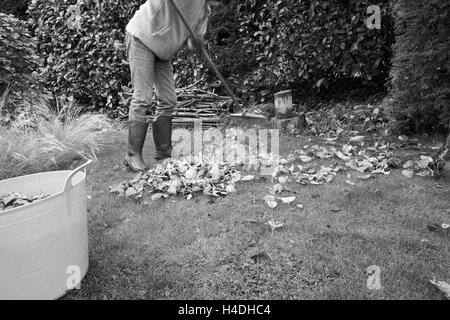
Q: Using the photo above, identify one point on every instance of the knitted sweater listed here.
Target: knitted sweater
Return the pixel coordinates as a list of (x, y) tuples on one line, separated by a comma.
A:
[(159, 27)]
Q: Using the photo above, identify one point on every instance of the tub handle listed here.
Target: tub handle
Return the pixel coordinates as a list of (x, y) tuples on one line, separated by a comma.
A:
[(68, 183)]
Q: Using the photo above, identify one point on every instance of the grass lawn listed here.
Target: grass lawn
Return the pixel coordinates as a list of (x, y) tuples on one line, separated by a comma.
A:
[(194, 249)]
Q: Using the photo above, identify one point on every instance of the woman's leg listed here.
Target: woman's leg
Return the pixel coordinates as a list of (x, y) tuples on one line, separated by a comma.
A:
[(142, 66), (162, 124)]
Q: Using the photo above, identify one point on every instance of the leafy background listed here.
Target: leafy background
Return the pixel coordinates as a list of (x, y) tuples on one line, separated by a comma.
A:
[(320, 49), (421, 66)]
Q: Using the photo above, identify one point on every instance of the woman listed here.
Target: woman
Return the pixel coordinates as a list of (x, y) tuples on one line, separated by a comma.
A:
[(154, 35)]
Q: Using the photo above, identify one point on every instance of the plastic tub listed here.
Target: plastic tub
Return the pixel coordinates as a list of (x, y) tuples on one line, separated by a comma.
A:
[(44, 245)]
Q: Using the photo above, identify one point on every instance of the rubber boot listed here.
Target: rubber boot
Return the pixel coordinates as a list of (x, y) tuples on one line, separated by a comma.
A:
[(162, 136), (137, 132)]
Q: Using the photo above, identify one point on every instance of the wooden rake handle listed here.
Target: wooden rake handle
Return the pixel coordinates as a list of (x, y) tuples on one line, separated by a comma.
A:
[(205, 54)]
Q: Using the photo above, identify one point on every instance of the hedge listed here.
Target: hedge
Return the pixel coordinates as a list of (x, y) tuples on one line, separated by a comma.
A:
[(267, 45), (421, 65), (17, 8), (260, 45), (18, 59)]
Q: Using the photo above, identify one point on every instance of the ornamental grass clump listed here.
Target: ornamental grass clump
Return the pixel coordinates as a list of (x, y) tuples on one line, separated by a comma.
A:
[(40, 138)]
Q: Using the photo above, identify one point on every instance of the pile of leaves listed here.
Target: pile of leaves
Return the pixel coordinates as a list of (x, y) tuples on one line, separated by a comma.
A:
[(15, 199), (419, 167), (182, 177), (214, 171), (340, 119)]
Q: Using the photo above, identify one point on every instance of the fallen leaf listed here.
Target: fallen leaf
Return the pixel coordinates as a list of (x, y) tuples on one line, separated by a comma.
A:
[(407, 164), (248, 178), (423, 173), (158, 196), (271, 201), (131, 192), (408, 173), (275, 225), (272, 204), (341, 156), (283, 179), (191, 173), (357, 138), (443, 286), (305, 158), (349, 181), (278, 188), (231, 188), (287, 200), (424, 162), (215, 172)]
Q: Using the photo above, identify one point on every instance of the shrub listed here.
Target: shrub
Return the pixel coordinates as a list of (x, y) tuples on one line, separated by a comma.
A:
[(18, 57), (273, 45), (17, 8), (260, 45), (85, 62), (421, 65)]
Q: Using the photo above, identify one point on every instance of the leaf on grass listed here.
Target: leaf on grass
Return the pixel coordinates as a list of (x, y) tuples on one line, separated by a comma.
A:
[(300, 206), (305, 158), (349, 181), (278, 188), (131, 192), (407, 164), (231, 188), (272, 204), (365, 177), (424, 162), (283, 179), (158, 196), (271, 201), (423, 173), (248, 178), (120, 189), (357, 138), (341, 156), (275, 224), (443, 286), (408, 173), (191, 173), (215, 172), (287, 200)]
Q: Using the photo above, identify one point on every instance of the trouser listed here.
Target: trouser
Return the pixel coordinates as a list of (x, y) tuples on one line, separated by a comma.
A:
[(147, 70)]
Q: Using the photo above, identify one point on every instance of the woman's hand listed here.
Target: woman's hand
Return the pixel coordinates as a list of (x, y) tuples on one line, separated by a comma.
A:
[(195, 44)]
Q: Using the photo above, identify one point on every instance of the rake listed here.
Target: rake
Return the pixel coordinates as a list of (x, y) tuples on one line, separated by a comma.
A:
[(244, 114)]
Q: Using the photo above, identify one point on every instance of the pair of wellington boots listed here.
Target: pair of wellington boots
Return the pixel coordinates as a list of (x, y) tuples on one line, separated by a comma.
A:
[(162, 137)]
